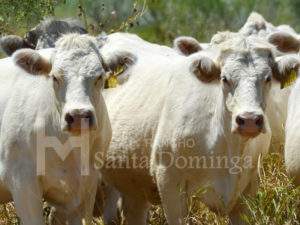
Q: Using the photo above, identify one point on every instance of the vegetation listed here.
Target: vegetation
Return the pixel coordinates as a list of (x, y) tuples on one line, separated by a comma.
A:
[(154, 20), (164, 20), (16, 14), (277, 201)]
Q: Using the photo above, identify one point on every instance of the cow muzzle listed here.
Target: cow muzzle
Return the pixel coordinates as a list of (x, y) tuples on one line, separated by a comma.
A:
[(249, 124), (80, 121)]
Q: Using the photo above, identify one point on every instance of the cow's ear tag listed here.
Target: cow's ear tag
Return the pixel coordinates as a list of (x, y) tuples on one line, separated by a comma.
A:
[(112, 81), (288, 80)]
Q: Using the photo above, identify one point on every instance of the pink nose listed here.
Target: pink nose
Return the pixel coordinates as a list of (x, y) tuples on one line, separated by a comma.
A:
[(80, 120), (250, 124)]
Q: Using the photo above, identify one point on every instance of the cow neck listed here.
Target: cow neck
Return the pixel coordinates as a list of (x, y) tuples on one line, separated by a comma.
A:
[(224, 143)]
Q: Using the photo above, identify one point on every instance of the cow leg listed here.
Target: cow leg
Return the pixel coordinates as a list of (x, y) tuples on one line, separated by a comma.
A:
[(99, 201), (240, 208), (134, 211), (57, 217), (235, 214), (110, 211), (173, 194), (85, 210), (28, 200)]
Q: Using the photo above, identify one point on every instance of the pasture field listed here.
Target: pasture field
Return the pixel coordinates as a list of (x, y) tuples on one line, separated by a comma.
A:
[(277, 202)]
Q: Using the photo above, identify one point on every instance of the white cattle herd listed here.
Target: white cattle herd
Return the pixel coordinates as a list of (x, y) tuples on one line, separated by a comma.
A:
[(180, 119)]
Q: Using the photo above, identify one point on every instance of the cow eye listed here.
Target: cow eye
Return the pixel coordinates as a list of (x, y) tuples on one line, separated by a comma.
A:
[(225, 81), (97, 79), (268, 79), (55, 81)]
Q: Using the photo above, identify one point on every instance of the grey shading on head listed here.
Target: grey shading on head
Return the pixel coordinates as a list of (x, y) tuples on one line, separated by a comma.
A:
[(101, 39), (47, 32), (245, 45), (44, 35)]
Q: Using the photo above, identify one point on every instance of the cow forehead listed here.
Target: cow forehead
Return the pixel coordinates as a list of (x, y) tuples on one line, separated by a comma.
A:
[(68, 64), (241, 46), (76, 54), (254, 64)]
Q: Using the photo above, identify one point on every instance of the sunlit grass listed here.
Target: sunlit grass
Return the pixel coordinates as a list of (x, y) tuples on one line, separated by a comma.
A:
[(277, 200)]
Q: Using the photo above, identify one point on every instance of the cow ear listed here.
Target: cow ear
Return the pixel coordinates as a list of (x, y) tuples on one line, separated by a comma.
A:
[(10, 43), (186, 45), (119, 62), (205, 69), (284, 41), (286, 69), (32, 62), (31, 38)]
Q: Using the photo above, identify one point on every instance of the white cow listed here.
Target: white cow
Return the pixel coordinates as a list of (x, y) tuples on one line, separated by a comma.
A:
[(63, 101), (292, 153), (141, 48), (180, 123)]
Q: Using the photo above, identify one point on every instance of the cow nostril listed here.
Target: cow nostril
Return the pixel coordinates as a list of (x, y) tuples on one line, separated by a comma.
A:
[(260, 121), (240, 121), (88, 120), (88, 117), (69, 119)]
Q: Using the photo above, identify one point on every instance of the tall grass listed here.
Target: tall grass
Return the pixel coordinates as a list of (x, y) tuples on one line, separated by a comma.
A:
[(277, 200)]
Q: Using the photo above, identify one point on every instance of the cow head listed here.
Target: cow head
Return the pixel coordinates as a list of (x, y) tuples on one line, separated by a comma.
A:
[(44, 35), (77, 72), (48, 31), (245, 68)]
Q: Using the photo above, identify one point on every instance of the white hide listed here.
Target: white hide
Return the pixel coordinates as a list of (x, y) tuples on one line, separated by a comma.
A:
[(292, 143), (134, 44)]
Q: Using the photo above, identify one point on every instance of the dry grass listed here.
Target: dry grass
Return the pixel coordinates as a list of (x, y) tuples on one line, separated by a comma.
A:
[(8, 215), (277, 202)]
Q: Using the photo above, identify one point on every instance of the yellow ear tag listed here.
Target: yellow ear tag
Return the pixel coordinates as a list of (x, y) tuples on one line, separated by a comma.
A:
[(113, 79), (288, 80)]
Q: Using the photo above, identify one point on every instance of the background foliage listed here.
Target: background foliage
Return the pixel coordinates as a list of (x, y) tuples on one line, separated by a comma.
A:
[(161, 21), (15, 15)]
